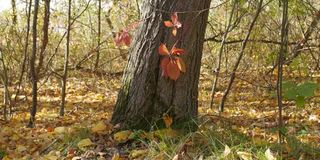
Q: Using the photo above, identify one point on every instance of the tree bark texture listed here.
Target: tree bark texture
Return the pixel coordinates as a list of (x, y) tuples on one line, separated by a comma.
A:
[(145, 95)]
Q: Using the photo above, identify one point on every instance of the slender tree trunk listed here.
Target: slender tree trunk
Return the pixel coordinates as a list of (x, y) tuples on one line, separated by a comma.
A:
[(6, 93), (243, 47), (99, 37), (215, 82), (282, 52), (145, 95), (45, 30), (25, 51), (66, 62), (14, 12), (34, 78)]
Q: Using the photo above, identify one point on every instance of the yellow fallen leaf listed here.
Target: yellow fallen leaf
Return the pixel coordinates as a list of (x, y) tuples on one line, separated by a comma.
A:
[(167, 120), (245, 155), (51, 157), (122, 136), (168, 132), (5, 158), (60, 130), (21, 148), (100, 128), (160, 156), (226, 151), (138, 153), (116, 157), (85, 143), (269, 155)]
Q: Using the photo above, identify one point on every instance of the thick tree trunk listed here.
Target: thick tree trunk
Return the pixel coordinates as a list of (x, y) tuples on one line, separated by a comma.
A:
[(145, 95)]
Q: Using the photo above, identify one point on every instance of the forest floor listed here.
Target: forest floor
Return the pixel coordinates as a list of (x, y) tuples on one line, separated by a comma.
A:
[(247, 129)]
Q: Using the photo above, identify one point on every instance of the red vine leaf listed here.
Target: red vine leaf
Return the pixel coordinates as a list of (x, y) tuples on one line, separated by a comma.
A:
[(174, 23), (163, 50), (123, 37), (177, 51), (168, 23), (163, 65), (181, 64), (173, 70)]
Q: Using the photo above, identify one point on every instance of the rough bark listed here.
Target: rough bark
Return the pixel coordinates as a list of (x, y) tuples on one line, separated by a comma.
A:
[(145, 95)]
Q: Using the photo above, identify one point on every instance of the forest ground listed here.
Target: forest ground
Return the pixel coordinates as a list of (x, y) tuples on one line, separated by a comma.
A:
[(246, 130)]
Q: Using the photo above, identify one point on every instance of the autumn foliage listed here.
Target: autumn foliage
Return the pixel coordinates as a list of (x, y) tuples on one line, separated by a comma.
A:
[(123, 37), (174, 23), (172, 65)]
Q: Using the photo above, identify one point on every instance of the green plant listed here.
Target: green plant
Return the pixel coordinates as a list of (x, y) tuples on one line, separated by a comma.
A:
[(299, 92)]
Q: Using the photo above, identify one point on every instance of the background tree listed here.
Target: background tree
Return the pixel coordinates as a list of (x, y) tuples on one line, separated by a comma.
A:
[(34, 79), (66, 63)]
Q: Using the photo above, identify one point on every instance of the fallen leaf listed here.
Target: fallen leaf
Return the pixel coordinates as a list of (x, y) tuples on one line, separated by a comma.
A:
[(21, 148), (100, 128), (85, 143), (116, 157), (60, 130), (245, 155), (122, 136), (269, 154), (138, 153), (226, 151), (167, 120), (168, 132)]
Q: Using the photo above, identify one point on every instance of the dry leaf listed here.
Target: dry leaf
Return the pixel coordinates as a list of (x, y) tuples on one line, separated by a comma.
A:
[(167, 120), (245, 155), (100, 128), (60, 130), (269, 154), (226, 151), (138, 153), (122, 136), (116, 157), (85, 143)]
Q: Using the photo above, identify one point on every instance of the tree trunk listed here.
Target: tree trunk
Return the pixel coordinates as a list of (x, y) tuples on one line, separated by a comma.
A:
[(66, 62), (14, 12), (45, 38), (96, 65), (145, 95), (33, 72), (6, 93)]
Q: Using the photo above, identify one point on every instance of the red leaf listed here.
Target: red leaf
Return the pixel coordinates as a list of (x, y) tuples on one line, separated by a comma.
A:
[(126, 38), (175, 21), (173, 70), (122, 37), (181, 64), (163, 65), (177, 51), (168, 23), (117, 39), (163, 50)]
